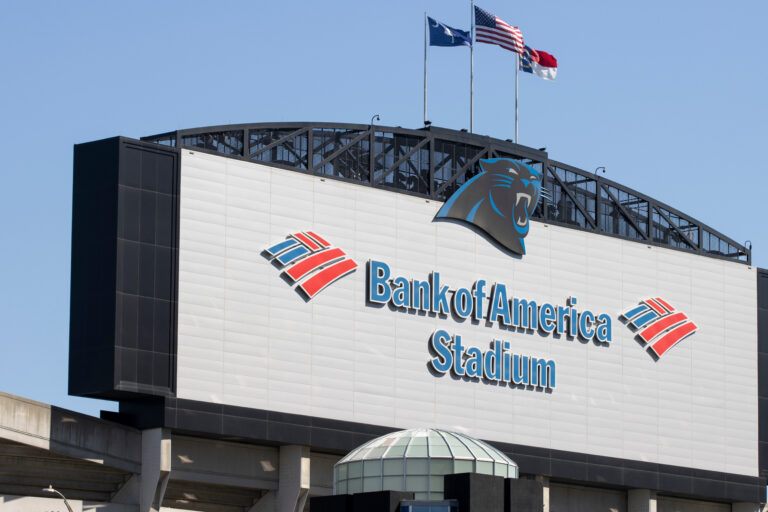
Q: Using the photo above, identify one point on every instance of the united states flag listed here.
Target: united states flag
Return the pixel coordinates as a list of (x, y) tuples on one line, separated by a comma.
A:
[(493, 30)]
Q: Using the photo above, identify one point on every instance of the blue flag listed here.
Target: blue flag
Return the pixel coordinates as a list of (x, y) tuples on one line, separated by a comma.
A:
[(525, 60), (441, 34)]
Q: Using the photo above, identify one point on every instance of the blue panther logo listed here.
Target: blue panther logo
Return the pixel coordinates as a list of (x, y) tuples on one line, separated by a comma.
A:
[(499, 201)]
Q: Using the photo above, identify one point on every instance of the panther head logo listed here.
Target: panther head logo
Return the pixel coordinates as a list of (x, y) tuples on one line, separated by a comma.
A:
[(500, 201)]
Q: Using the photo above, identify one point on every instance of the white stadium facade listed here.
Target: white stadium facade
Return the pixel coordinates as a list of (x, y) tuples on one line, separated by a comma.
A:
[(320, 316)]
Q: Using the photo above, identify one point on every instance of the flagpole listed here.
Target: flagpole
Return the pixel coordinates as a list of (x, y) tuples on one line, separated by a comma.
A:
[(517, 69), (425, 67), (472, 67)]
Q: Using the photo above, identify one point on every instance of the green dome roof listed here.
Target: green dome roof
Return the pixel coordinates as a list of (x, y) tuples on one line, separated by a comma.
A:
[(416, 460)]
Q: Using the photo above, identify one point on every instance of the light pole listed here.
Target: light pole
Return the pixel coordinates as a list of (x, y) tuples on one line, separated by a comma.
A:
[(372, 145), (51, 489)]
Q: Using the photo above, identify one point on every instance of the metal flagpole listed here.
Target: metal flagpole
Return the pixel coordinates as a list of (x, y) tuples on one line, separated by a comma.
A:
[(426, 22), (472, 68), (517, 69)]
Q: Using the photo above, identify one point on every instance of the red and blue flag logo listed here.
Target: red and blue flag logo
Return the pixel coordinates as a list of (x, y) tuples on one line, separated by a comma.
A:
[(310, 262), (658, 325)]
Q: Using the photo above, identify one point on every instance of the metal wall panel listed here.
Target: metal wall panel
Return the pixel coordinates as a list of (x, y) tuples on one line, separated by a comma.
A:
[(246, 338), (124, 254)]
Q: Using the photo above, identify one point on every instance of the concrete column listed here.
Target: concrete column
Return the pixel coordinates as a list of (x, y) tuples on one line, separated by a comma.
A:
[(641, 500), (130, 492), (545, 490), (265, 504), (293, 486), (745, 507), (155, 468)]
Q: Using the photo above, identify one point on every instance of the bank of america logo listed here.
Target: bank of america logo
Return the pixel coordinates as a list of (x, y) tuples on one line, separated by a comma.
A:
[(310, 262), (658, 325)]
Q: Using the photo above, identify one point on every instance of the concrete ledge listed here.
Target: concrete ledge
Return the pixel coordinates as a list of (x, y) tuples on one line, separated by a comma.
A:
[(69, 433)]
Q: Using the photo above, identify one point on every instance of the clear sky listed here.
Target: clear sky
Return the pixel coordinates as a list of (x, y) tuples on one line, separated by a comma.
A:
[(670, 97)]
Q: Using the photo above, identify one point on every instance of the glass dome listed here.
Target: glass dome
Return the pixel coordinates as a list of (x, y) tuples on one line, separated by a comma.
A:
[(415, 460)]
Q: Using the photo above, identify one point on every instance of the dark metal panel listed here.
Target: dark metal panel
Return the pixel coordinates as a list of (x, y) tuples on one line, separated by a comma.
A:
[(124, 269), (762, 369), (94, 259), (145, 335)]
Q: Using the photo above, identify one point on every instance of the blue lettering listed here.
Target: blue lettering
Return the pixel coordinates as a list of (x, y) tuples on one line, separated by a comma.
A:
[(572, 324), (506, 361), (440, 344), (499, 305), (401, 294), (420, 295), (492, 362), (479, 295), (561, 312), (378, 275), (586, 320), (458, 351), (604, 329), (542, 373), (439, 295), (474, 365), (547, 318), (525, 314), (462, 303), (520, 369)]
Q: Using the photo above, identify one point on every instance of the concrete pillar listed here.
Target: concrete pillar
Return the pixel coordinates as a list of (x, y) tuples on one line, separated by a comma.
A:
[(155, 468), (641, 500), (130, 492), (293, 486), (265, 504), (545, 490), (745, 507)]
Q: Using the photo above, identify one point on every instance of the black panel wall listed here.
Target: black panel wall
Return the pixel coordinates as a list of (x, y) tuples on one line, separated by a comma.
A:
[(124, 269), (94, 252), (762, 367)]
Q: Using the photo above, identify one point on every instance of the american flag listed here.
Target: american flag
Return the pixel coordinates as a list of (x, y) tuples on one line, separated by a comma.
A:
[(493, 30)]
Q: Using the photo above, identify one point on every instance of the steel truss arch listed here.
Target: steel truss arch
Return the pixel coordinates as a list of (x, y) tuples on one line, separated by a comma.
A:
[(433, 162)]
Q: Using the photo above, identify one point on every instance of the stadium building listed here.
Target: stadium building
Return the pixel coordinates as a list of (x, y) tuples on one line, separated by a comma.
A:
[(328, 316)]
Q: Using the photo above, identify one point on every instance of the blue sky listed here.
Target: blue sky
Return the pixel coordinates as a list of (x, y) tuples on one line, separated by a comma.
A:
[(670, 97)]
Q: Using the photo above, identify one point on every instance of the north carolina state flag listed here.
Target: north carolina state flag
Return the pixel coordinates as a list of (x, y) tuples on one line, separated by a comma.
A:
[(540, 63)]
